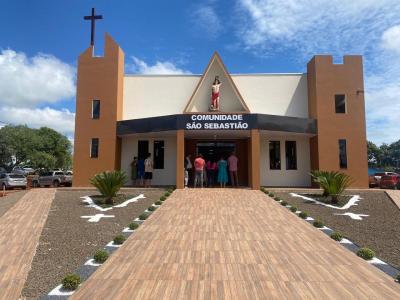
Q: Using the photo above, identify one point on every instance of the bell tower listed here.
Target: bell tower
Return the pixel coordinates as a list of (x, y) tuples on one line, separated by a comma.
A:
[(98, 108)]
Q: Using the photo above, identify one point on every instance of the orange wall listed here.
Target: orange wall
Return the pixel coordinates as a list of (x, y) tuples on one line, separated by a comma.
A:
[(98, 78), (326, 79)]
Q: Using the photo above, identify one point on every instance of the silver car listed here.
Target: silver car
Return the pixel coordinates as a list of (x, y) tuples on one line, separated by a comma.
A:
[(54, 178), (25, 170), (9, 181)]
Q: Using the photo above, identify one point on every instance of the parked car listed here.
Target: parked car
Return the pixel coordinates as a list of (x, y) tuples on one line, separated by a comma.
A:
[(23, 170), (374, 180), (390, 182), (2, 170), (9, 181), (53, 178)]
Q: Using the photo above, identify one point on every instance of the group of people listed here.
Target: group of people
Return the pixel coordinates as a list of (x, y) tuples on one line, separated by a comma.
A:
[(142, 171), (207, 173)]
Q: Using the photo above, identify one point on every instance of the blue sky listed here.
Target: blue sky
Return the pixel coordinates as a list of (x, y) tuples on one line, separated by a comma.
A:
[(41, 40)]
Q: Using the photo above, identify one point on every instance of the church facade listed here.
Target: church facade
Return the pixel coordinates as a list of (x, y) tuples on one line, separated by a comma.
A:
[(280, 126)]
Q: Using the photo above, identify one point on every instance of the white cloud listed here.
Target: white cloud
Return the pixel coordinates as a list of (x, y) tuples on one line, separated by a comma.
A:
[(28, 81), (207, 20), (159, 68), (60, 120), (314, 26), (391, 39), (336, 27)]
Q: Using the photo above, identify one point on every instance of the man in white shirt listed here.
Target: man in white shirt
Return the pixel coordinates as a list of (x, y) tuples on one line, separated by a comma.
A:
[(188, 166), (148, 171)]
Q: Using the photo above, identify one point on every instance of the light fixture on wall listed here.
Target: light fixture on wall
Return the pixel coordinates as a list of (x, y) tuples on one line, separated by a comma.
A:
[(359, 91)]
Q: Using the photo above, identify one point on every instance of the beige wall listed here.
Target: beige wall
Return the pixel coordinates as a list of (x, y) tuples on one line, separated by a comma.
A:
[(153, 95), (276, 94), (283, 177), (129, 148)]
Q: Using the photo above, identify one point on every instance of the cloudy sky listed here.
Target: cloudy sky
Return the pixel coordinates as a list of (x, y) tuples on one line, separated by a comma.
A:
[(40, 41)]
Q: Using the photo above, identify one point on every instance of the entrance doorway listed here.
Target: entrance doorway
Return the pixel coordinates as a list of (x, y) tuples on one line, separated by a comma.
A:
[(213, 150)]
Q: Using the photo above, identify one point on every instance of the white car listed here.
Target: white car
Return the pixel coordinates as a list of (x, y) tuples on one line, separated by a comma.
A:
[(9, 181)]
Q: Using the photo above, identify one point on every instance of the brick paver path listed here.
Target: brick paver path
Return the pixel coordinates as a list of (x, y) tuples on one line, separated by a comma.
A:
[(233, 244), (20, 230), (395, 195)]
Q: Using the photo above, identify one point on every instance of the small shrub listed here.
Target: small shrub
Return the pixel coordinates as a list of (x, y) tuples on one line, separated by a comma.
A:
[(262, 189), (170, 190), (337, 236), (318, 223), (293, 209), (143, 216), (108, 184), (162, 198), (277, 199), (101, 256), (71, 282), (119, 239), (167, 194), (333, 183), (271, 194), (284, 203), (365, 253), (152, 208), (133, 226), (398, 278), (158, 202), (303, 215)]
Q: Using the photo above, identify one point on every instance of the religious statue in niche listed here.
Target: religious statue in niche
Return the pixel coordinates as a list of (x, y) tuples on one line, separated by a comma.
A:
[(215, 94)]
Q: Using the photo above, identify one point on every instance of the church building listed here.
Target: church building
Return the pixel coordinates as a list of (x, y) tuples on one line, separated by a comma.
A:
[(280, 126)]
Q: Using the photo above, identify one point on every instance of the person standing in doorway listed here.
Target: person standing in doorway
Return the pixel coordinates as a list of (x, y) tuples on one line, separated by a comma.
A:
[(222, 172), (188, 167), (199, 166), (148, 171), (211, 167), (140, 171), (233, 169), (134, 170)]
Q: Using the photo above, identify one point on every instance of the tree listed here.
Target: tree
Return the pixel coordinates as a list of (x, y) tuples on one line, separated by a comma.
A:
[(374, 153), (385, 156), (41, 148), (43, 160)]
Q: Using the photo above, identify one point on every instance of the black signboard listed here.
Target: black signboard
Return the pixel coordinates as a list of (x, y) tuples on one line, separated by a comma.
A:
[(217, 122)]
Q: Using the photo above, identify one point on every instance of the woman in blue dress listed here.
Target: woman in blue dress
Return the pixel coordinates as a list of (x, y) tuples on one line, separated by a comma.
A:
[(222, 172)]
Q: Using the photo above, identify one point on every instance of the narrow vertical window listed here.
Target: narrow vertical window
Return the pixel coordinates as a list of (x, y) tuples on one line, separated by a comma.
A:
[(291, 155), (95, 109), (274, 155), (342, 154), (340, 104), (94, 148), (158, 154), (143, 149)]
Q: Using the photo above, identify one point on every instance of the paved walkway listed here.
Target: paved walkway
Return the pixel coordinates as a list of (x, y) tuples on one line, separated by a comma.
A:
[(20, 230), (395, 195), (233, 244)]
